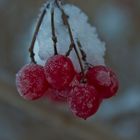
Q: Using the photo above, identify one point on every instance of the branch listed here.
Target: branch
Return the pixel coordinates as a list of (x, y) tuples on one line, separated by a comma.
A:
[(54, 38), (72, 45), (31, 49)]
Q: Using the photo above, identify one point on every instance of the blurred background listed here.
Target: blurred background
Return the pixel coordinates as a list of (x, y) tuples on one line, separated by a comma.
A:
[(118, 24)]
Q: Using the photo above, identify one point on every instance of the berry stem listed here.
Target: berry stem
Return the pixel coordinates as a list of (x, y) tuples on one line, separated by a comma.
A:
[(72, 45), (54, 38), (31, 48), (84, 56)]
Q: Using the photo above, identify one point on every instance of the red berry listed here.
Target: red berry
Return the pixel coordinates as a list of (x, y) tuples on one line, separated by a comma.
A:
[(104, 80), (84, 100), (59, 71), (31, 82)]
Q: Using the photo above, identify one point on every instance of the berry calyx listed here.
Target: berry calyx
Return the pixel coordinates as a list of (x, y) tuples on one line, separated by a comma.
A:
[(31, 82), (84, 101), (76, 80), (104, 80), (56, 95), (59, 71)]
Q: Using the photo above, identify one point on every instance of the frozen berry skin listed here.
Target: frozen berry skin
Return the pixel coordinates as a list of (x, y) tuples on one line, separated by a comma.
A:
[(59, 71), (31, 82), (104, 80), (84, 101)]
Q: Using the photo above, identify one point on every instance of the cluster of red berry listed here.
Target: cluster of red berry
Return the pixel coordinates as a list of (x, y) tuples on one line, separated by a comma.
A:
[(59, 80)]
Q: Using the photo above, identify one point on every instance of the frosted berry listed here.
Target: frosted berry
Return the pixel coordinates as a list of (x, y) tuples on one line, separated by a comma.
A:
[(59, 71), (84, 101), (31, 82), (104, 80)]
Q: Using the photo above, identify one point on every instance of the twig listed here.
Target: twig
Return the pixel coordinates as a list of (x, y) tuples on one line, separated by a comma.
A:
[(84, 56), (54, 38), (31, 49), (72, 45)]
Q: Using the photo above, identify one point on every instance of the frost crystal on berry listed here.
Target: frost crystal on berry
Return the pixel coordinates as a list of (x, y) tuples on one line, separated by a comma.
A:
[(59, 71), (104, 79), (84, 100), (31, 82)]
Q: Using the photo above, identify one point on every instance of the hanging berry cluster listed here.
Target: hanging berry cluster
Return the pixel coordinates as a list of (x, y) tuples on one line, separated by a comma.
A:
[(58, 78)]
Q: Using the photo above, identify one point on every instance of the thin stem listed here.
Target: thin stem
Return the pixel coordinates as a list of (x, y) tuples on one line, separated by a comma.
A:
[(72, 45), (31, 48), (84, 56), (54, 38)]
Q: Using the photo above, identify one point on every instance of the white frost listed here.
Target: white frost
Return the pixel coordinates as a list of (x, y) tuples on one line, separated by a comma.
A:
[(81, 30)]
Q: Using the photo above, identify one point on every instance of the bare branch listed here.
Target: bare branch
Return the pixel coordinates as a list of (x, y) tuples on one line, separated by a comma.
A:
[(31, 49), (72, 45), (54, 38)]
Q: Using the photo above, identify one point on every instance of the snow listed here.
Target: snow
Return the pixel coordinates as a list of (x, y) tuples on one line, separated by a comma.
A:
[(81, 29)]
